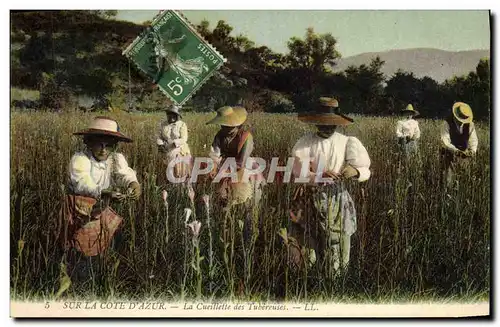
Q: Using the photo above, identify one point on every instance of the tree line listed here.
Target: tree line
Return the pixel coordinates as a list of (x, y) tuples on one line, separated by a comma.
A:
[(68, 55)]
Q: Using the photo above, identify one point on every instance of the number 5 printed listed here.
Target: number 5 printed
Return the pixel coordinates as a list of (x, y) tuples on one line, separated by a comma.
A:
[(47, 305), (174, 86)]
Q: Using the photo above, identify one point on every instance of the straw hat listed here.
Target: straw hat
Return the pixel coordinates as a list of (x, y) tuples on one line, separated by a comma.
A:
[(174, 109), (104, 126), (462, 112), (230, 116), (409, 110), (327, 113)]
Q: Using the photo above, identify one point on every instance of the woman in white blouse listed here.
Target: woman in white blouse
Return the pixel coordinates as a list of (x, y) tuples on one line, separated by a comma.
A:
[(323, 161), (98, 175), (408, 131), (172, 140)]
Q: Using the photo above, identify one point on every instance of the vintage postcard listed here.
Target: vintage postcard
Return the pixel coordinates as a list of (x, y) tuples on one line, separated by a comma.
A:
[(273, 163)]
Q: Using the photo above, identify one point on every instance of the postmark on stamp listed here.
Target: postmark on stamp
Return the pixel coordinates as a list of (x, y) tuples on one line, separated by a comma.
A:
[(174, 56)]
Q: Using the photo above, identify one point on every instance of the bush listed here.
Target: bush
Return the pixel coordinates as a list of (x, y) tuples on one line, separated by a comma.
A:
[(55, 95), (278, 103)]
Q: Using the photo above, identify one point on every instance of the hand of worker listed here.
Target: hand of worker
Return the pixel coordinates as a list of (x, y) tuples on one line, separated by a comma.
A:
[(350, 172), (468, 153), (213, 172), (134, 190), (113, 195), (332, 175)]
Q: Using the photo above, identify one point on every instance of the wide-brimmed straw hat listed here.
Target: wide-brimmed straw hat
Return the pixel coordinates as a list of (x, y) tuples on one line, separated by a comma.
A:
[(229, 116), (462, 112), (409, 110), (327, 112), (104, 126), (174, 109)]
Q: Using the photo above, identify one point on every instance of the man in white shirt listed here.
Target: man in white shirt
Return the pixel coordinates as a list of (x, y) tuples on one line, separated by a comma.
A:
[(408, 131), (97, 176), (332, 155), (458, 138)]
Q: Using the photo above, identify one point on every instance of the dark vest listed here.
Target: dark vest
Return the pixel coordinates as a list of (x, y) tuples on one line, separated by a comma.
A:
[(459, 140), (231, 148)]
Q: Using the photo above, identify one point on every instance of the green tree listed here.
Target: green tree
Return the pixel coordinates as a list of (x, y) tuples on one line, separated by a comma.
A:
[(243, 44), (313, 53), (308, 62), (221, 36), (402, 88), (473, 89), (423, 93), (484, 102), (203, 28), (365, 87)]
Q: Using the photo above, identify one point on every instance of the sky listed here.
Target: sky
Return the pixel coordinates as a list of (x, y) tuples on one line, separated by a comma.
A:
[(356, 31)]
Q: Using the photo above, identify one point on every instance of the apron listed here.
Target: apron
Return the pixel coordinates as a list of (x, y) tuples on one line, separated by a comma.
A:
[(181, 168), (239, 192), (170, 152), (86, 228), (408, 147), (323, 217)]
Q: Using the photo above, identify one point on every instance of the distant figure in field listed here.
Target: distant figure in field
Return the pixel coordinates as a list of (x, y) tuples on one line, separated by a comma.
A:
[(233, 140), (458, 139), (98, 176), (172, 141), (323, 215), (408, 131), (234, 143)]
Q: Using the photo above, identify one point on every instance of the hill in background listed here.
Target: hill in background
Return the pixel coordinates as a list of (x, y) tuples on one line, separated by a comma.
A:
[(434, 63)]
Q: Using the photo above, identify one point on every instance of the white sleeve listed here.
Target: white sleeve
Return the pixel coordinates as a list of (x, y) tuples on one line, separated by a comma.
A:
[(215, 153), (357, 156), (473, 141), (399, 129), (125, 174), (80, 179), (445, 137), (161, 134), (301, 159), (416, 136), (164, 133), (183, 135)]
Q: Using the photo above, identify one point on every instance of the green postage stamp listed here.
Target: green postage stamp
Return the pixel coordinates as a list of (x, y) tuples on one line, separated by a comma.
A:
[(174, 56)]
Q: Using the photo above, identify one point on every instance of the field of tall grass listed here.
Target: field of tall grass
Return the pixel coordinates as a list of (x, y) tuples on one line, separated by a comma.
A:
[(415, 240)]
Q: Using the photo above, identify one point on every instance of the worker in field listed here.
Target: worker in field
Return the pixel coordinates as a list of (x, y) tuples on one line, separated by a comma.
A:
[(408, 131), (98, 177), (235, 142), (323, 214), (458, 139), (172, 141)]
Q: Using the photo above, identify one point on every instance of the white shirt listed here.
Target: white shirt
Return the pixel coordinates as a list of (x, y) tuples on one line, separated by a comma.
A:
[(174, 137), (336, 151), (89, 177), (408, 128), (446, 139)]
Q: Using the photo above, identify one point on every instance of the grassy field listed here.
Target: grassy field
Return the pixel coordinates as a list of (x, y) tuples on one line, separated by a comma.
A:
[(414, 241)]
